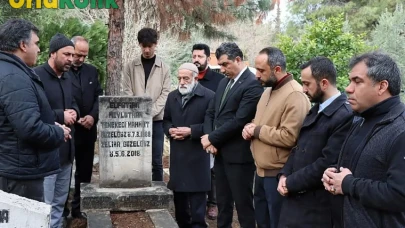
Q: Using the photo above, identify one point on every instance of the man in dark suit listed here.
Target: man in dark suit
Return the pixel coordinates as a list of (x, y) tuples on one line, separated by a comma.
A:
[(209, 79), (189, 164), (306, 203), (233, 106), (86, 90), (58, 89)]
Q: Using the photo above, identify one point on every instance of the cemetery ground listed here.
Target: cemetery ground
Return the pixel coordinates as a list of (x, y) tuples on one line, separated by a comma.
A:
[(139, 219)]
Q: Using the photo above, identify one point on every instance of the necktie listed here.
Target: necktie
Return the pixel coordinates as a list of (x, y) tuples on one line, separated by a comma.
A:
[(228, 87)]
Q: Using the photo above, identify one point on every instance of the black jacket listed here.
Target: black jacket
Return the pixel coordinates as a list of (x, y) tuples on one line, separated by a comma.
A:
[(59, 94), (225, 124), (29, 139), (189, 163), (86, 90), (320, 140), (211, 79), (374, 196)]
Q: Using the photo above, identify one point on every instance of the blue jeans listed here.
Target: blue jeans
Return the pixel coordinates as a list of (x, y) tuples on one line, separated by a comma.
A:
[(157, 151), (268, 202), (56, 190)]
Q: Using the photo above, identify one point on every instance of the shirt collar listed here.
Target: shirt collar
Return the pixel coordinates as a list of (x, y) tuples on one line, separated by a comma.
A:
[(240, 74), (328, 102)]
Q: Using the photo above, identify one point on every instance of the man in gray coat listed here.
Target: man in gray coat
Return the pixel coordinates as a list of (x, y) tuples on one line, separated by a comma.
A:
[(371, 166)]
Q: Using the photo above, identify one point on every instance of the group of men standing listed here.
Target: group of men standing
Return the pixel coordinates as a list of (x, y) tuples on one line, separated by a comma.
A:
[(279, 160), (48, 117)]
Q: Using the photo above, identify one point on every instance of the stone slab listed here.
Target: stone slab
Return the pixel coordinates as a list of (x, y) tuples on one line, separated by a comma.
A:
[(125, 199), (96, 219), (16, 211), (161, 218), (125, 143)]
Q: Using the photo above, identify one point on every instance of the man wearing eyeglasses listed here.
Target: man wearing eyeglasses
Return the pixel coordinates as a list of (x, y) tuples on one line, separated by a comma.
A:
[(86, 89)]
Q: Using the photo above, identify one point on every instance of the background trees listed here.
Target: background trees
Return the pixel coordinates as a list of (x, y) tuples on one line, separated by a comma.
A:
[(323, 38), (337, 29)]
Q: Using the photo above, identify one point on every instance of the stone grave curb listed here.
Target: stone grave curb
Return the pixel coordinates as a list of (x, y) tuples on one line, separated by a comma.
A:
[(98, 219), (162, 218), (120, 199)]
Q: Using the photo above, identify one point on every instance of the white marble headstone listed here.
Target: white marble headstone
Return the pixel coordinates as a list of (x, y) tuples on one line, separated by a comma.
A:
[(17, 211), (125, 141)]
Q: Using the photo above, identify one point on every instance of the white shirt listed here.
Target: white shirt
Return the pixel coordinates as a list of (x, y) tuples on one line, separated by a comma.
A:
[(237, 77), (328, 102)]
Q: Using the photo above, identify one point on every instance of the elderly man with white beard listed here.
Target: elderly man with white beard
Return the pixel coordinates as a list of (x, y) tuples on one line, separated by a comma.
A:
[(183, 120)]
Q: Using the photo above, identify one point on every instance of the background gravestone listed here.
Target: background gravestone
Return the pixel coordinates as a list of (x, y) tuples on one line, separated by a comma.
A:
[(16, 211), (125, 142)]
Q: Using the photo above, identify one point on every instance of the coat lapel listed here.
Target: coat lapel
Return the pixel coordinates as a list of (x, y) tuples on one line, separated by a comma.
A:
[(234, 88), (75, 82), (220, 92), (311, 116)]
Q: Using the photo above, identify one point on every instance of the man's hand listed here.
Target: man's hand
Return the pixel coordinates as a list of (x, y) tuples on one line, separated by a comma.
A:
[(72, 112), (333, 181), (184, 131), (66, 131), (172, 131), (326, 180), (69, 117), (180, 133), (87, 121), (282, 186), (212, 150), (248, 131), (205, 142)]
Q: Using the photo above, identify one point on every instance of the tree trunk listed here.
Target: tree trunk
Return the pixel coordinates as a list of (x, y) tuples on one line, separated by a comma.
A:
[(116, 25), (278, 18)]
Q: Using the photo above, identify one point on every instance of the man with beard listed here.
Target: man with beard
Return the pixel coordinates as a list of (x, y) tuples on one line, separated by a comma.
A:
[(306, 202), (370, 171), (189, 163), (209, 79), (274, 131), (233, 107), (147, 75), (206, 77), (58, 89), (86, 90)]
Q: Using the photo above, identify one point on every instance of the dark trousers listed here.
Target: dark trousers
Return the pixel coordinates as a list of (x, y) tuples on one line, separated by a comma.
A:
[(31, 189), (157, 150), (190, 209), (268, 202), (234, 184), (84, 156), (212, 199)]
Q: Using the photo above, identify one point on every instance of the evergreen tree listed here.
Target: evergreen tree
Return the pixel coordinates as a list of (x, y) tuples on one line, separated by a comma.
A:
[(361, 14)]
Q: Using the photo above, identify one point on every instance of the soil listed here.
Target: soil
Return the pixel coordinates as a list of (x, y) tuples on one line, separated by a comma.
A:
[(76, 223), (131, 220)]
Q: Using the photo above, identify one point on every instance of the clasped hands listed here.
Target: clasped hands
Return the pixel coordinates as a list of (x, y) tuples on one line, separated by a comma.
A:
[(208, 147), (248, 131), (179, 133), (332, 180), (66, 131)]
